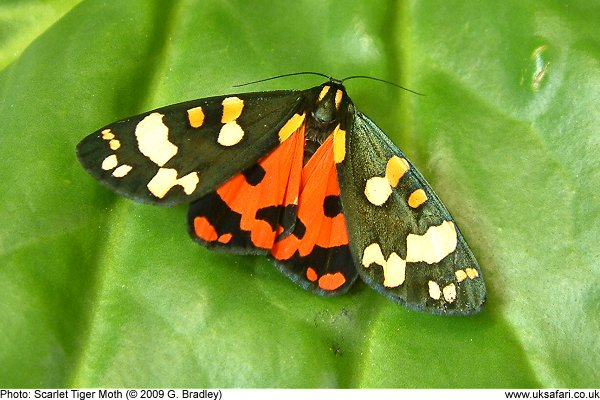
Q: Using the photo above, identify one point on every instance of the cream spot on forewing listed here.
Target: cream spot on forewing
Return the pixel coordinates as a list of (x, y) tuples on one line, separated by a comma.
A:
[(460, 275), (435, 244), (153, 139), (162, 182), (324, 91), (449, 292), (338, 98), (394, 268), (232, 109), (230, 134), (189, 182), (471, 273), (339, 144), (122, 170), (107, 134), (114, 144), (196, 117), (394, 271), (434, 290), (378, 190), (291, 126), (110, 162), (417, 198), (372, 254), (166, 178), (395, 169)]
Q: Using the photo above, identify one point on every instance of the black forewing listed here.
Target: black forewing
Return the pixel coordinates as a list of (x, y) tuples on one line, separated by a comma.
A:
[(367, 151), (263, 114)]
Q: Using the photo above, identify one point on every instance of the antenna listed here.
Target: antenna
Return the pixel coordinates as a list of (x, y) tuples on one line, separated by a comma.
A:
[(330, 79), (285, 75), (380, 80)]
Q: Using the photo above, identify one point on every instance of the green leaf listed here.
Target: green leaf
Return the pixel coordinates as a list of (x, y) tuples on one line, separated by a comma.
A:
[(98, 291)]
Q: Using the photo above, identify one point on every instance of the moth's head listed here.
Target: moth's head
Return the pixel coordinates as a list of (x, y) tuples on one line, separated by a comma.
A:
[(330, 101)]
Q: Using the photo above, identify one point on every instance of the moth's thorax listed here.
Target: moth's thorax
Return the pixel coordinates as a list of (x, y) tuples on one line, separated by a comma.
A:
[(327, 105), (326, 113)]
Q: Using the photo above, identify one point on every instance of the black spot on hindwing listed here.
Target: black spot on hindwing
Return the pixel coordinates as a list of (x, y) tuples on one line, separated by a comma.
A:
[(332, 206), (224, 220), (254, 175)]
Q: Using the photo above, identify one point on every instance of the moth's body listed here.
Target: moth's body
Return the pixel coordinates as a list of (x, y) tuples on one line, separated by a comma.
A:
[(303, 177)]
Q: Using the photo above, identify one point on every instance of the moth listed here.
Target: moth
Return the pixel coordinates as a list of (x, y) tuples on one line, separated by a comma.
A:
[(303, 177)]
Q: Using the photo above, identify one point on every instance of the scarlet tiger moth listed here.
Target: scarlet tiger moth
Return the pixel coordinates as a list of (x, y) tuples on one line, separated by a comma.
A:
[(303, 177)]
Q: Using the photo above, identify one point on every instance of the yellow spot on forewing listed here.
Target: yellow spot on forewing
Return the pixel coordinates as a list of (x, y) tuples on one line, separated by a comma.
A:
[(395, 169), (166, 178), (378, 190), (291, 126), (232, 109), (107, 134), (338, 98), (153, 139), (417, 198), (196, 117), (435, 244), (372, 254), (460, 275), (449, 292), (394, 271), (339, 144), (110, 162), (324, 91), (434, 290), (114, 144), (122, 170), (230, 134), (471, 273)]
